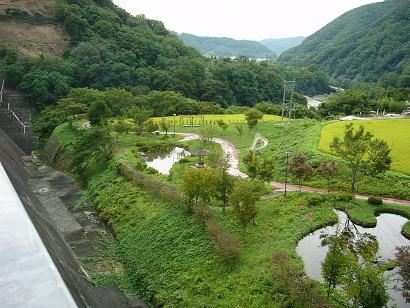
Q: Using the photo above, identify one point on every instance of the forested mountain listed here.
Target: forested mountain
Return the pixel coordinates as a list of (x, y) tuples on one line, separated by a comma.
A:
[(224, 47), (369, 43), (109, 48), (281, 44)]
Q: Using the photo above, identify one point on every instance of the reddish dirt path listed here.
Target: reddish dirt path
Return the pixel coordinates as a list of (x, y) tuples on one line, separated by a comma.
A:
[(229, 148), (281, 187)]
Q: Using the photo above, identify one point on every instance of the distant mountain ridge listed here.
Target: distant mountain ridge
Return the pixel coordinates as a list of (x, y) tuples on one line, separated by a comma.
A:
[(279, 45), (369, 43), (227, 47)]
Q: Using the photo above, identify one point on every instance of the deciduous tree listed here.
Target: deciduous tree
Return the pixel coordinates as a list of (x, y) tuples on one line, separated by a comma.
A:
[(362, 151), (300, 168)]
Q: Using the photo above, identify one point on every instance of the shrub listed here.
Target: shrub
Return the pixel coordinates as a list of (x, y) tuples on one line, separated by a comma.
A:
[(225, 244), (345, 197), (375, 201), (313, 200), (294, 284)]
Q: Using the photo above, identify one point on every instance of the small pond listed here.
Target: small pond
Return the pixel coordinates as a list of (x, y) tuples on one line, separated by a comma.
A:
[(164, 163), (388, 234)]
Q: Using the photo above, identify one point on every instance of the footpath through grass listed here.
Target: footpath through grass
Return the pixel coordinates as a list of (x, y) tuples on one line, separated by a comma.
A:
[(305, 136), (396, 132)]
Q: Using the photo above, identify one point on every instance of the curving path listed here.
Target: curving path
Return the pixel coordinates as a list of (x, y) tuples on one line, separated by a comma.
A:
[(229, 149)]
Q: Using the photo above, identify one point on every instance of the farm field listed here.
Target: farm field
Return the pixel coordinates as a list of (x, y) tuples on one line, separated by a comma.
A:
[(395, 132), (212, 118)]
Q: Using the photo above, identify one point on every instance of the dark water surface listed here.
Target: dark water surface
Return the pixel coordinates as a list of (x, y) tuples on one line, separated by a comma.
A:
[(388, 234)]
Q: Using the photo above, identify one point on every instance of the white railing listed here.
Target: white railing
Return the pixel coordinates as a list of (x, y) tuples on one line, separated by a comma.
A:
[(10, 112), (14, 116), (1, 93)]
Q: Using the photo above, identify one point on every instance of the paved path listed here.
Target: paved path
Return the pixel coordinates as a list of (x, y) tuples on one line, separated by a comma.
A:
[(279, 187), (230, 149)]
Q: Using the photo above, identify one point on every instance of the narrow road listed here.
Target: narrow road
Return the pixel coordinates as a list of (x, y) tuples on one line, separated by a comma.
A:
[(229, 149)]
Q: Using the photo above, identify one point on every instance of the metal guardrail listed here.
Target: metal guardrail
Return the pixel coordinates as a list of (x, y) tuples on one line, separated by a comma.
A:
[(1, 93), (10, 112)]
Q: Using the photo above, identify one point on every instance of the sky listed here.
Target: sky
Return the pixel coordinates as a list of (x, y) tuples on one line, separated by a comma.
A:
[(243, 19)]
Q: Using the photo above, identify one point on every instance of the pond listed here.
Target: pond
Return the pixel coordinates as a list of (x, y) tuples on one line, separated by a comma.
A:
[(388, 234), (164, 163)]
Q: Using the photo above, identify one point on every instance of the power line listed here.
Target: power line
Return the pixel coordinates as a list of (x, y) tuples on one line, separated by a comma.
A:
[(288, 88)]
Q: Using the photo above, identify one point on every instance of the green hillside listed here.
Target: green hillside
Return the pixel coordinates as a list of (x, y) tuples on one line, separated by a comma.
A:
[(369, 43), (281, 44), (227, 47), (109, 48)]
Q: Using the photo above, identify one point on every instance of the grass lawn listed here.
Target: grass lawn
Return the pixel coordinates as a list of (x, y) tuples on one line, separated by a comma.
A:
[(396, 132)]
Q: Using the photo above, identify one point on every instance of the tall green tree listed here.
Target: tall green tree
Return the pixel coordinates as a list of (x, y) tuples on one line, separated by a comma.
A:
[(253, 116), (140, 116), (362, 152), (198, 184), (98, 112), (243, 200)]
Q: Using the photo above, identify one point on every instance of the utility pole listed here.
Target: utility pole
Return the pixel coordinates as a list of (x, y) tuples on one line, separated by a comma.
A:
[(287, 102)]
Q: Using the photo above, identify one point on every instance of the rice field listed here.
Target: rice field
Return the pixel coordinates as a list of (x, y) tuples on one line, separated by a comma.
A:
[(396, 132), (207, 119)]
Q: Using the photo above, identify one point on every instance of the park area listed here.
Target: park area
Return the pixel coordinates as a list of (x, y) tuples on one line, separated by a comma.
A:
[(162, 232)]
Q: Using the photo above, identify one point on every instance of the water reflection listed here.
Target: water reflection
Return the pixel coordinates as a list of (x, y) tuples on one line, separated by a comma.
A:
[(388, 234), (164, 163)]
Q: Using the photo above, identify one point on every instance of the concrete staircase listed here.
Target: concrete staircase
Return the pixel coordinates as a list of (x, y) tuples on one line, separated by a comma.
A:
[(15, 119)]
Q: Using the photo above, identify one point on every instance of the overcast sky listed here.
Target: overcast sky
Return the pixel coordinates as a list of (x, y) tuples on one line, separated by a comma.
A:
[(243, 19)]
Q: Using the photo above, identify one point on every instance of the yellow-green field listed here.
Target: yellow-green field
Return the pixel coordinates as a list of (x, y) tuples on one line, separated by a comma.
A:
[(212, 118), (395, 132)]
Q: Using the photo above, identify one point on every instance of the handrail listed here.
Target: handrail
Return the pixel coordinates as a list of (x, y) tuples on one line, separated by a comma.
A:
[(1, 93), (17, 118), (10, 111)]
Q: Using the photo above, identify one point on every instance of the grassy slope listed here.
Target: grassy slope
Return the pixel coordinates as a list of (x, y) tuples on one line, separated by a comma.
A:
[(395, 132)]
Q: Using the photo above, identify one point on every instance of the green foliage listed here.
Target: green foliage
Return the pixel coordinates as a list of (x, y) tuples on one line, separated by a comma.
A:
[(252, 118), (293, 283), (360, 151), (259, 166), (403, 262), (198, 184), (243, 200), (98, 112), (328, 169), (362, 44), (375, 201), (151, 126), (52, 116), (140, 115), (299, 166)]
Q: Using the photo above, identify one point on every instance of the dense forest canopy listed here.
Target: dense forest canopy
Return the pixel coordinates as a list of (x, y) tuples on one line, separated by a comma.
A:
[(370, 43), (109, 48), (224, 47)]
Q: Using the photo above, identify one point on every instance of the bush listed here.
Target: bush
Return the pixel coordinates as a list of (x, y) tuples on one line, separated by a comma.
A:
[(375, 201), (313, 200), (345, 197), (225, 244), (292, 282)]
